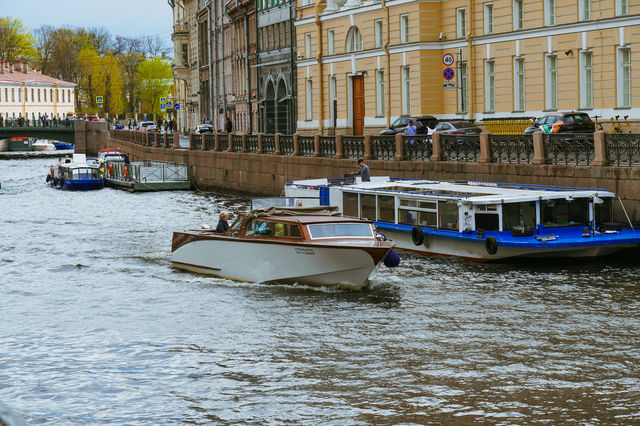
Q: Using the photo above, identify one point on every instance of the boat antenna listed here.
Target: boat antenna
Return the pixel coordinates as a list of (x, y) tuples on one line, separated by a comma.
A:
[(625, 213)]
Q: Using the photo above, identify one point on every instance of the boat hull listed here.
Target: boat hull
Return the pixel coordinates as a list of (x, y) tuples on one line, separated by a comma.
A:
[(473, 248), (79, 184), (267, 261)]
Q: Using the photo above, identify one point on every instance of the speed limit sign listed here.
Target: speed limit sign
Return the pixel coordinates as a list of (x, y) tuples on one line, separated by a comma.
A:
[(447, 59)]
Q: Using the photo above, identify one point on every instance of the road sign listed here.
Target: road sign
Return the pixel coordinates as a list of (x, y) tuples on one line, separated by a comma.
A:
[(176, 106), (448, 84), (99, 99), (448, 59), (162, 100), (162, 106), (168, 104), (448, 74)]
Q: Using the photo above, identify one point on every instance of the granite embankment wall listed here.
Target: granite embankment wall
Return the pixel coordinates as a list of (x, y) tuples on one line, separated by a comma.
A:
[(266, 174)]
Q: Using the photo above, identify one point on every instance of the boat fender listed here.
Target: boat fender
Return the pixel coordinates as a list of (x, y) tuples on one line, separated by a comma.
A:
[(52, 174), (491, 245), (391, 259), (602, 229), (126, 172), (48, 178), (417, 235)]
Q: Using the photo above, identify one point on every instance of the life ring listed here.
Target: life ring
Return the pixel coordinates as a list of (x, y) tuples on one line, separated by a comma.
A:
[(491, 245), (126, 172), (417, 235)]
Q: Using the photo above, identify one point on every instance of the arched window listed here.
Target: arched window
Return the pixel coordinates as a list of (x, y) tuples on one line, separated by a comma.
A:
[(354, 40)]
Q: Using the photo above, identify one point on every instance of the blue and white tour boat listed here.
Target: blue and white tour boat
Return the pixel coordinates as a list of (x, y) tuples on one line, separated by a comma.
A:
[(76, 175), (480, 221)]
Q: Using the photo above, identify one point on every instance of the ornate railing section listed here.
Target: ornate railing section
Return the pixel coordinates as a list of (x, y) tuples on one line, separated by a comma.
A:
[(327, 146), (286, 144), (236, 143), (417, 148), (623, 149), (460, 148), (268, 144), (353, 146), (196, 141), (252, 143), (569, 148), (223, 142), (383, 147), (209, 141), (515, 148), (306, 146)]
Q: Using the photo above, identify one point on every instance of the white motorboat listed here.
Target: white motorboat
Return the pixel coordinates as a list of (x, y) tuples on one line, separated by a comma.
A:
[(480, 221), (306, 245), (43, 145)]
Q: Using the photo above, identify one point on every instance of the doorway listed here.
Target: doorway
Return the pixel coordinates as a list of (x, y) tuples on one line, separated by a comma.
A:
[(358, 104)]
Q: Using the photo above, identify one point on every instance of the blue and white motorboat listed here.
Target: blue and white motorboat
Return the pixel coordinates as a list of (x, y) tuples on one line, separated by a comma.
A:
[(63, 145), (76, 175), (480, 221)]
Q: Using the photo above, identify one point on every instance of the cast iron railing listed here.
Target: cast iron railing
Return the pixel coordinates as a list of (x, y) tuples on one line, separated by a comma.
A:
[(516, 148), (209, 141), (353, 146), (286, 144), (197, 141), (306, 146), (223, 142), (623, 149), (268, 144), (460, 147), (327, 146), (569, 148), (252, 143), (236, 143), (419, 147), (383, 147)]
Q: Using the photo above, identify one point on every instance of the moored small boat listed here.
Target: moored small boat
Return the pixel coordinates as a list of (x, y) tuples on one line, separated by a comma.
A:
[(43, 145), (64, 145), (481, 221), (306, 245), (76, 175)]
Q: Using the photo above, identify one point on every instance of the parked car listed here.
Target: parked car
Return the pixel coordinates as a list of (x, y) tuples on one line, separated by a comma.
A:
[(204, 128), (147, 126), (457, 127), (424, 125), (92, 118), (561, 122)]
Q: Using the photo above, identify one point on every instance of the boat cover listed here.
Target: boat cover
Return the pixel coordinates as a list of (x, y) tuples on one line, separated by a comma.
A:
[(297, 211)]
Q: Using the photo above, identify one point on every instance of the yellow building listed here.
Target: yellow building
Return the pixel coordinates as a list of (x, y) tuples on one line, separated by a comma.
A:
[(361, 64)]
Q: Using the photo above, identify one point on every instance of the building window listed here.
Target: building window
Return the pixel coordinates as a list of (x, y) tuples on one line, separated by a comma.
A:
[(518, 15), (586, 80), (490, 86), (354, 40), (462, 87), (307, 45), (13, 94), (185, 54), (404, 29), (331, 42), (378, 32), (551, 82), (379, 93), (20, 94), (584, 9), (406, 91), (333, 97), (549, 12), (38, 95), (309, 99), (624, 77), (461, 25), (622, 7), (488, 18), (518, 85)]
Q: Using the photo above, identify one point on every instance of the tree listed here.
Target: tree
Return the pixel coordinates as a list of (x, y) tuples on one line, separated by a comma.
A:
[(16, 42), (155, 79)]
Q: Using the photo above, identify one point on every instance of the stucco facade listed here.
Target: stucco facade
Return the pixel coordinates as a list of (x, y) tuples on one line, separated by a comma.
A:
[(27, 93), (362, 64)]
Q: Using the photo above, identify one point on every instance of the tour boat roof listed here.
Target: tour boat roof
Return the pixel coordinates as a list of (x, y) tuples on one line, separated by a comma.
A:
[(474, 192), (304, 215)]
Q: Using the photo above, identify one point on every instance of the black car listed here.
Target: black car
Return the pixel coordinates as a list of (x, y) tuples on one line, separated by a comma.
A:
[(423, 123), (458, 127), (569, 122)]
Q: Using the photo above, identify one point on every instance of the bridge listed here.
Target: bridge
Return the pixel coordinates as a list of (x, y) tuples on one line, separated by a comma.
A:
[(63, 131)]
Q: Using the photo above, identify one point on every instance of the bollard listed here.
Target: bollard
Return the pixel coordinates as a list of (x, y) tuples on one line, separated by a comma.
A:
[(538, 149), (435, 146), (276, 139), (295, 145), (600, 149), (338, 141), (316, 145), (399, 147), (485, 149)]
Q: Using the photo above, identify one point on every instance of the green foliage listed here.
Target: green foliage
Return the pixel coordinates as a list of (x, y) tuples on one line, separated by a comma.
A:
[(154, 82), (16, 42)]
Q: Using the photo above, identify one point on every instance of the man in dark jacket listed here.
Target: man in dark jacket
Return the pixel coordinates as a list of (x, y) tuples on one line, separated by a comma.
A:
[(228, 125), (364, 172), (223, 225)]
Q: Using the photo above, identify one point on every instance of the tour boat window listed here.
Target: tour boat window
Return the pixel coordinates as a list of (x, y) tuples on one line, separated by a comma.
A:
[(350, 204), (604, 211), (487, 221), (427, 205), (429, 219), (518, 214), (235, 226), (386, 209), (565, 213), (368, 206), (408, 217), (448, 215), (287, 230), (409, 203), (262, 228), (338, 230), (486, 207)]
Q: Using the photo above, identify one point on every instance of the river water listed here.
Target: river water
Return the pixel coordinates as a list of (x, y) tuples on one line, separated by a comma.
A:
[(96, 327)]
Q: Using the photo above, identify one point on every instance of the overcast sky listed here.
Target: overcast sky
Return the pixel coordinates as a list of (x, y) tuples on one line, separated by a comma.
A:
[(119, 17)]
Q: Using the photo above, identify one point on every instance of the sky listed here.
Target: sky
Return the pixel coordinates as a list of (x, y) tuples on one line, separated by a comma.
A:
[(120, 17)]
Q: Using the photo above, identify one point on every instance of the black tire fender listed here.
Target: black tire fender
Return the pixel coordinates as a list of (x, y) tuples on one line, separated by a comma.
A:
[(417, 235), (491, 245)]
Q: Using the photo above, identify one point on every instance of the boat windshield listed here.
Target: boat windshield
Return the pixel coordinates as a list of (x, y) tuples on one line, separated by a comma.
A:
[(340, 230)]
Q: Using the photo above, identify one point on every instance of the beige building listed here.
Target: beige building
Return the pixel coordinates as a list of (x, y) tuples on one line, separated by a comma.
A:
[(361, 64), (26, 92)]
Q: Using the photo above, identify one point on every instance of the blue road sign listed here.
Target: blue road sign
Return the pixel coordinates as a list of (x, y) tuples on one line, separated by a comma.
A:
[(168, 104), (161, 106), (99, 99), (162, 100), (448, 74), (176, 106)]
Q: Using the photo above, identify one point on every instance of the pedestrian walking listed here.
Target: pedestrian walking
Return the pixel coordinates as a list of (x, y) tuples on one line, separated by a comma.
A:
[(364, 172), (228, 125), (410, 130)]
